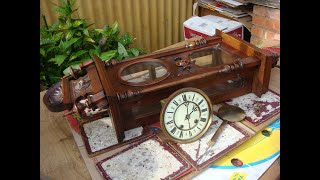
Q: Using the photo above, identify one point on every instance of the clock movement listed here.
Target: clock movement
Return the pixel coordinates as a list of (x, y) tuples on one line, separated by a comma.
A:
[(130, 91)]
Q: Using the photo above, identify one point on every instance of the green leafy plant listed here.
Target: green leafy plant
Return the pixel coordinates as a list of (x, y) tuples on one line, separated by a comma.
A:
[(69, 41)]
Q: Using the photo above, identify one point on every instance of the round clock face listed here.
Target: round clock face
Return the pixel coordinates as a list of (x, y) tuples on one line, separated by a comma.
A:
[(186, 115)]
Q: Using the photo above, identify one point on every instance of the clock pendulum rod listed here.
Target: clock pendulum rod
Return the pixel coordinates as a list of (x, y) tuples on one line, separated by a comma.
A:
[(216, 134), (228, 113)]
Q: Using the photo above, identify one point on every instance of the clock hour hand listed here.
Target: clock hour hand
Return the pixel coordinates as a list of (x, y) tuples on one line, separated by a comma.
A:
[(194, 108), (187, 116)]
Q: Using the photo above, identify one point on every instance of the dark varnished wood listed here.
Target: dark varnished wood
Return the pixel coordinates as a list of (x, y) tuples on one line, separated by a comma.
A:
[(138, 104), (114, 108), (262, 76)]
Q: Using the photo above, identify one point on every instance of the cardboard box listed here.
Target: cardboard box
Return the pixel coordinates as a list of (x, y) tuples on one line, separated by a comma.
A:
[(206, 26)]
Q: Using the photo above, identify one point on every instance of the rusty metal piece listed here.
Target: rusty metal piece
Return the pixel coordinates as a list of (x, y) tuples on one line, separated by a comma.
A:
[(236, 162), (182, 63), (266, 133), (199, 42)]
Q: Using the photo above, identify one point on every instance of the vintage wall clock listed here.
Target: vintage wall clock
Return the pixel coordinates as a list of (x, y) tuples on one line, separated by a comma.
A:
[(130, 91), (186, 115)]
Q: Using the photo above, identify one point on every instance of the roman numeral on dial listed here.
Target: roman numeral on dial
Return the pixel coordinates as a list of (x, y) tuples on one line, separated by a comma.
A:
[(175, 102), (170, 122), (184, 97), (203, 119), (200, 102), (173, 130), (204, 110), (181, 134)]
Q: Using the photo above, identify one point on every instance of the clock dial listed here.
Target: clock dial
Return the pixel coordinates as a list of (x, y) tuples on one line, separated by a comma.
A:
[(186, 115)]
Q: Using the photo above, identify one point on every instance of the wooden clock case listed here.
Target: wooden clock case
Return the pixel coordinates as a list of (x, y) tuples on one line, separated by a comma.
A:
[(130, 90)]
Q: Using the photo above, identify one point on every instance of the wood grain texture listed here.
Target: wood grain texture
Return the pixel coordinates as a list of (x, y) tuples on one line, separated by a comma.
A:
[(59, 154)]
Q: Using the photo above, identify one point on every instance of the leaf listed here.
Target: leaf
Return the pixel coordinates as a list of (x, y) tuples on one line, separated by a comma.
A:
[(122, 50), (54, 79), (63, 26), (126, 39), (96, 47), (98, 30), (86, 32), (92, 52), (67, 70), (77, 54), (51, 48), (72, 3), (43, 78), (42, 52), (77, 23), (69, 23), (55, 25), (65, 3), (85, 57), (115, 27), (69, 43), (78, 44), (130, 55), (106, 56), (120, 56), (59, 59), (57, 36), (89, 40), (134, 51), (52, 60), (46, 41), (69, 35), (61, 45), (61, 10)]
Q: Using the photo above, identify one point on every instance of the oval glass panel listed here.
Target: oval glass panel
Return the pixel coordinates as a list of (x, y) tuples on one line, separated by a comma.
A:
[(213, 57), (143, 72)]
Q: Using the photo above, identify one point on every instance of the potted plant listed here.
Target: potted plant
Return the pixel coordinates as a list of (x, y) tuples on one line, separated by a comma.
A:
[(70, 41)]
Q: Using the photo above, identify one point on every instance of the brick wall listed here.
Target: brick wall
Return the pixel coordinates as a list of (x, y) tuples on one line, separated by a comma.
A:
[(265, 29)]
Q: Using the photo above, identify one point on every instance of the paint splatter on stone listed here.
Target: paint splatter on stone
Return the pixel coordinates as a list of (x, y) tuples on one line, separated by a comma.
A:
[(258, 109), (101, 134), (148, 160), (132, 133), (197, 149)]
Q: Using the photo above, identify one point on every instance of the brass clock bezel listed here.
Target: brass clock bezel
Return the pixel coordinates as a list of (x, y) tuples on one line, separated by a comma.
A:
[(188, 89)]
